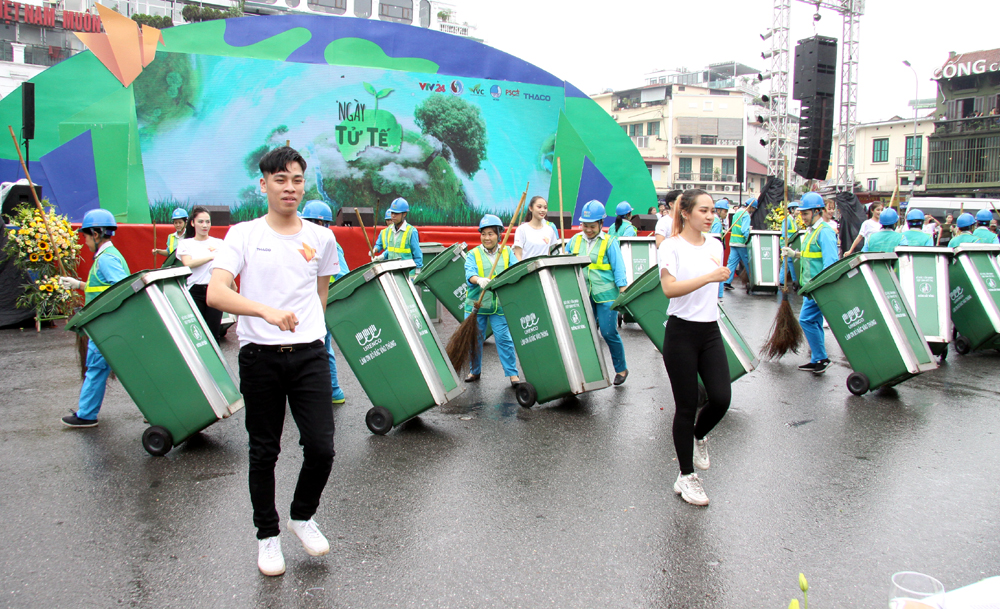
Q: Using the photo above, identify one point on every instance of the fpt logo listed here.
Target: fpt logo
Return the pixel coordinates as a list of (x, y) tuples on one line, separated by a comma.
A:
[(529, 323), (432, 87), (496, 91), (853, 315), (478, 90), (457, 87), (533, 97), (369, 334), (957, 294)]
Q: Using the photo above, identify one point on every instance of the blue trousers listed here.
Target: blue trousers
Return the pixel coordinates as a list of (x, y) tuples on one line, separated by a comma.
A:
[(505, 344), (736, 254), (811, 321), (607, 321), (94, 384), (333, 362)]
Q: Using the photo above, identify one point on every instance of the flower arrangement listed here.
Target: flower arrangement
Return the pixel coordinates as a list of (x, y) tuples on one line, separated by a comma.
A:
[(777, 215), (33, 251)]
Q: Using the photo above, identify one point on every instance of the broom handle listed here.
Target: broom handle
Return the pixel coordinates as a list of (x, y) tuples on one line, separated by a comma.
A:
[(38, 204), (513, 220), (154, 243), (562, 229), (371, 250)]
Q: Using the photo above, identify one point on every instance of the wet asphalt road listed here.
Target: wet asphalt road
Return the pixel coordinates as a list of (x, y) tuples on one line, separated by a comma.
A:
[(481, 503)]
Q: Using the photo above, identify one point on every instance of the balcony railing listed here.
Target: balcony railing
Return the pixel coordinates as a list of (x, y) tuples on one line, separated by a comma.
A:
[(705, 140), (967, 125), (907, 164), (704, 177)]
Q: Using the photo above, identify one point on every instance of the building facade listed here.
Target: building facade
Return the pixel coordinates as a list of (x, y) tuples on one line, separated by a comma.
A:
[(965, 146), (889, 153)]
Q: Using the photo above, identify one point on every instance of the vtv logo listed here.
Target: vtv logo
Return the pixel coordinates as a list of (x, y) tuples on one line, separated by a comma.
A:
[(432, 87), (529, 323), (367, 335), (853, 315)]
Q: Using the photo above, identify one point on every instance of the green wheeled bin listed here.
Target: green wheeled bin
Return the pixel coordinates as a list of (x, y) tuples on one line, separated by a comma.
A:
[(430, 251), (645, 301), (923, 276), (975, 297), (379, 322), (444, 277), (151, 333), (861, 299), (547, 307), (764, 252), (639, 254)]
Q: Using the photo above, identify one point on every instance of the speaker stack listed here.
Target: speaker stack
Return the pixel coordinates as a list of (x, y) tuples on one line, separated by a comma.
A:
[(814, 85)]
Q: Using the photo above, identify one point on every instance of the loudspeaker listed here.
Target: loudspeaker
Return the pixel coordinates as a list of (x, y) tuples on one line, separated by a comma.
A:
[(553, 217), (28, 110), (219, 214), (815, 137), (643, 222), (346, 216), (815, 67), (741, 152)]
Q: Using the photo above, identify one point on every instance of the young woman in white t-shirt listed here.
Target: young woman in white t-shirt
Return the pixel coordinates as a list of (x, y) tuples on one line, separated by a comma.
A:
[(869, 226), (665, 225), (197, 251), (535, 236), (690, 270)]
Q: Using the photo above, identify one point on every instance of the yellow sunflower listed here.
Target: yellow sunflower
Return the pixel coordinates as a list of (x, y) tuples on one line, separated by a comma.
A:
[(47, 257), (33, 257), (44, 245)]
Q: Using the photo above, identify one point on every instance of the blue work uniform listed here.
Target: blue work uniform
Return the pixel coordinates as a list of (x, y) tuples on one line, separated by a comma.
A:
[(627, 230), (819, 250), (478, 263), (400, 244), (338, 393), (604, 276), (964, 238), (885, 240), (108, 269), (986, 236), (917, 238), (738, 244)]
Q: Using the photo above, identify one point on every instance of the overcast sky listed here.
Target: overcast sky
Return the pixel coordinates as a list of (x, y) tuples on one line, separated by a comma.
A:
[(612, 44)]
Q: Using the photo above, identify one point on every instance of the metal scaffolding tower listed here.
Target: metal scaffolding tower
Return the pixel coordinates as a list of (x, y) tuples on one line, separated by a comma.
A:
[(777, 119)]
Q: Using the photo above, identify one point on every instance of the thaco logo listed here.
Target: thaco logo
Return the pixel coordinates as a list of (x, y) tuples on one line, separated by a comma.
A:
[(533, 97), (529, 323), (369, 334)]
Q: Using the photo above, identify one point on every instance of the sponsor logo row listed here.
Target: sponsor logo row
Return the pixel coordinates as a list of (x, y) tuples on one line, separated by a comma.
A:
[(457, 87)]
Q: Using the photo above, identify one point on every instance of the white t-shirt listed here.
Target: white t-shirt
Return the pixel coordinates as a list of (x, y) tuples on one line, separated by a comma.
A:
[(664, 225), (280, 271), (199, 249), (534, 241), (868, 227), (685, 261)]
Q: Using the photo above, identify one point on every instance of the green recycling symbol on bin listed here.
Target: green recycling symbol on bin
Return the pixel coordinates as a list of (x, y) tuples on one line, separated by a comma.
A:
[(196, 333), (575, 317)]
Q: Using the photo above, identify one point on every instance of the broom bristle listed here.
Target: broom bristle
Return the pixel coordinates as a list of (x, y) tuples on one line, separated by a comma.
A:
[(786, 333), (465, 338), (81, 354)]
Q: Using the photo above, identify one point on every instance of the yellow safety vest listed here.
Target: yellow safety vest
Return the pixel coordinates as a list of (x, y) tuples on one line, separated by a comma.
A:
[(172, 240), (94, 284), (490, 305), (400, 248), (806, 249), (600, 264), (737, 231)]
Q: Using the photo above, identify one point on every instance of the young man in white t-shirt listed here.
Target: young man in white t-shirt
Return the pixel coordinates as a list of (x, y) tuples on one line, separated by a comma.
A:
[(284, 266)]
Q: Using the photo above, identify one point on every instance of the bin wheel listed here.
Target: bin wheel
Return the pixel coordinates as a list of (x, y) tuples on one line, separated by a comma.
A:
[(963, 345), (525, 394), (379, 420), (944, 354), (621, 319), (157, 441), (858, 383)]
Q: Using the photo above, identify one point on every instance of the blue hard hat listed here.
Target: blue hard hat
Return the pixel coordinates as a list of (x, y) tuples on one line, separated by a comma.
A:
[(888, 217), (984, 215), (811, 200), (388, 214), (490, 220), (98, 218), (399, 206), (794, 204), (914, 215), (965, 221), (722, 204), (623, 208), (752, 202), (317, 210), (179, 214), (593, 211)]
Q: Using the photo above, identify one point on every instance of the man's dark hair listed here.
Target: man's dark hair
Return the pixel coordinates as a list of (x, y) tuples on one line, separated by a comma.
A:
[(671, 197), (279, 159)]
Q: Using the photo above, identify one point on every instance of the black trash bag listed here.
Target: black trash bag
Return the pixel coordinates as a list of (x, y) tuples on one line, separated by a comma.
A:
[(852, 215), (771, 195), (12, 282)]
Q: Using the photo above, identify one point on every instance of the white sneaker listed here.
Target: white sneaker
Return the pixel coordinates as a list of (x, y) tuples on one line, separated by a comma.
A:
[(690, 489), (270, 561), (701, 453), (308, 533)]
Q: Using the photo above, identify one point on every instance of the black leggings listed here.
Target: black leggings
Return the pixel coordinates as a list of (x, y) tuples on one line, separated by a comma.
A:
[(690, 349), (213, 317)]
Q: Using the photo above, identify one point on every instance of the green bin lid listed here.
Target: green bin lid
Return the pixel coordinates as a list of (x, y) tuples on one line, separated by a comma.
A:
[(345, 286), (917, 249), (431, 248), (977, 247), (113, 297), (515, 272), (440, 261), (835, 271), (649, 280)]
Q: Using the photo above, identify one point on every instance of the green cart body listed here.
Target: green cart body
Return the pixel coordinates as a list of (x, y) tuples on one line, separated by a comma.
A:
[(975, 296), (547, 307), (645, 301), (863, 302), (764, 252), (153, 337), (923, 277), (431, 303), (639, 254), (444, 277), (378, 320)]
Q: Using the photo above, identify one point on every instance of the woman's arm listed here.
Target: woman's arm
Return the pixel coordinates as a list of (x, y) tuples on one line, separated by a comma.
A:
[(194, 263), (673, 288)]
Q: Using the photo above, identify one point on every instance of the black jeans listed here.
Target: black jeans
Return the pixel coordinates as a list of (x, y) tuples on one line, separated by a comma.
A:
[(690, 349), (267, 379), (212, 317)]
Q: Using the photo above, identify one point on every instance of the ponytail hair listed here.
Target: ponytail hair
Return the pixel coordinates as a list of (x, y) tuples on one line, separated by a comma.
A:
[(189, 231), (687, 201), (618, 223)]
